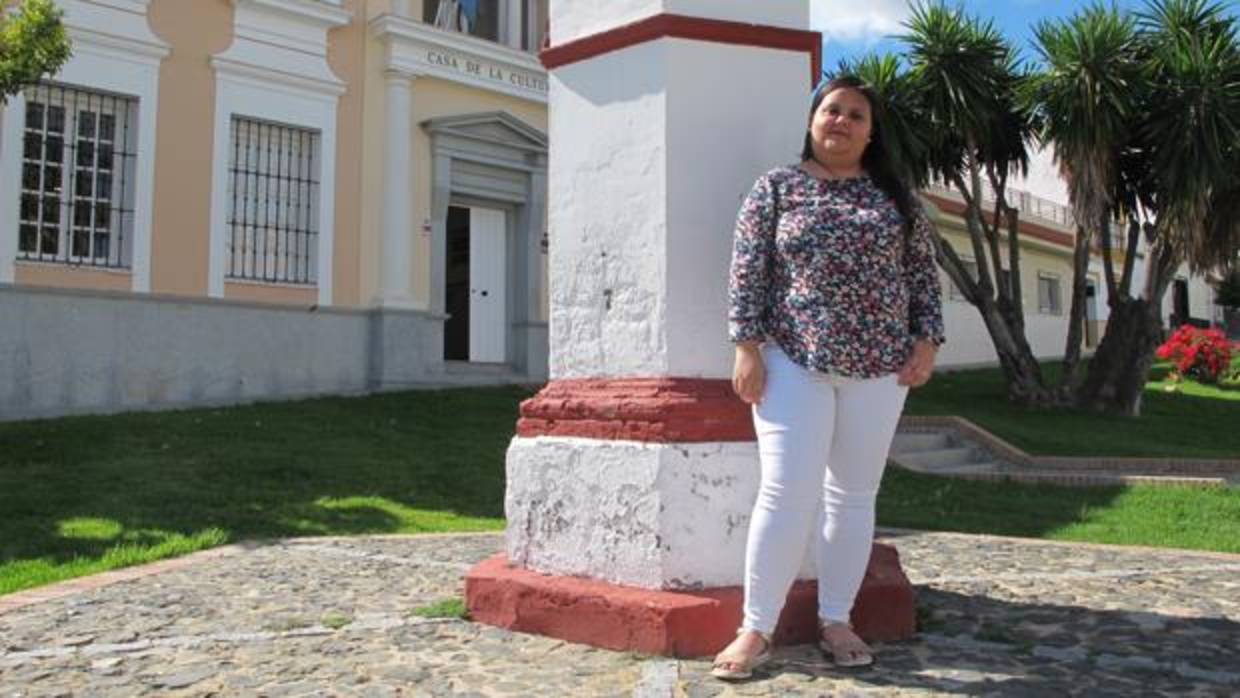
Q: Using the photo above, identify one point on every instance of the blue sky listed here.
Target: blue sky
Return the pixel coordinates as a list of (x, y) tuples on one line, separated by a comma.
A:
[(853, 27)]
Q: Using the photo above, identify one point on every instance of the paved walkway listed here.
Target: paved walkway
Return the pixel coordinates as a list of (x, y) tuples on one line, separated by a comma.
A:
[(333, 617)]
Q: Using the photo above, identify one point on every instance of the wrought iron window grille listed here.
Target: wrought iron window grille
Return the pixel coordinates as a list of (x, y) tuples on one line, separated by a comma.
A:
[(273, 190), (78, 157)]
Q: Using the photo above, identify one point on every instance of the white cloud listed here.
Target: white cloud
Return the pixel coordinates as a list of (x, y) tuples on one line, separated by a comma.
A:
[(854, 20)]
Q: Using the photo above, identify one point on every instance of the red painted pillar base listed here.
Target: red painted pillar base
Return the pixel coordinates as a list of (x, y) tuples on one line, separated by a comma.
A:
[(674, 623)]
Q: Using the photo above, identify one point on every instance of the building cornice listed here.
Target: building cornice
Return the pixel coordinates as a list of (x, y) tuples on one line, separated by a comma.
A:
[(418, 49), (122, 47), (674, 26), (118, 26), (263, 76), (325, 13), (285, 42)]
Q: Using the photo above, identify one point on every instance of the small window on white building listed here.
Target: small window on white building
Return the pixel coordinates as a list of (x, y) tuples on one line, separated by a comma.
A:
[(955, 293), (273, 192), (78, 153), (1049, 298)]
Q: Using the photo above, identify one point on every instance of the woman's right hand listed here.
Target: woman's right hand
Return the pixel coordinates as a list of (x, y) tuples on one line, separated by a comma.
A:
[(748, 373)]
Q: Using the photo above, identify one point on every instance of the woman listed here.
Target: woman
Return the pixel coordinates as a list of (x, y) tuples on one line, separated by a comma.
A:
[(835, 311)]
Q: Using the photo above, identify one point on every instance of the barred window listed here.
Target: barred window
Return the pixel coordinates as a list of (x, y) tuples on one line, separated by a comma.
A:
[(273, 190), (1048, 294), (78, 154)]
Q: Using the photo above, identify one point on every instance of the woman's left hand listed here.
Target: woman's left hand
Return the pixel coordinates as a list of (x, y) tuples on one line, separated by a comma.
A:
[(916, 371)]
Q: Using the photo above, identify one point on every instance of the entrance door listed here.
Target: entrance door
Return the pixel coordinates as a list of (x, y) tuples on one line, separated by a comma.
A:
[(488, 285)]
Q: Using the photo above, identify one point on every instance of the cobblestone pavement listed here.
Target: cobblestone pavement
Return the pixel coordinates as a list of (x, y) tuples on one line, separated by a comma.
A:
[(333, 617)]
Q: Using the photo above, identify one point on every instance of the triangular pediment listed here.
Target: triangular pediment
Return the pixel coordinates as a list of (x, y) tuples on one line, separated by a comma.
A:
[(497, 127)]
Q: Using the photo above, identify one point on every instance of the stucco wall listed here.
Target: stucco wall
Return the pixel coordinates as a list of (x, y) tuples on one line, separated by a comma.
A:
[(183, 146), (347, 58), (968, 342)]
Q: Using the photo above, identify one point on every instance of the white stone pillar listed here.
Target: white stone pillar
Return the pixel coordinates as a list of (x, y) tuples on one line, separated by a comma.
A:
[(642, 206), (397, 250), (404, 8)]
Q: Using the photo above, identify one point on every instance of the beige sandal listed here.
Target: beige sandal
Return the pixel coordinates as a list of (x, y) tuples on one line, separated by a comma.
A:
[(741, 667), (839, 642)]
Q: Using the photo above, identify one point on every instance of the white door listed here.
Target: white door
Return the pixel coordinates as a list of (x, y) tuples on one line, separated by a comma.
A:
[(488, 285)]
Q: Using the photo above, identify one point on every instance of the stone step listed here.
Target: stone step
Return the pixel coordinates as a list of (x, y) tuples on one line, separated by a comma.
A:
[(937, 453), (459, 380), (983, 467), (907, 442), (467, 368), (1091, 479), (937, 459)]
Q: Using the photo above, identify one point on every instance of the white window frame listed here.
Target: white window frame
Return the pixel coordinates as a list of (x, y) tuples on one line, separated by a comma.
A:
[(1055, 307), (113, 51), (71, 199), (276, 70), (246, 95)]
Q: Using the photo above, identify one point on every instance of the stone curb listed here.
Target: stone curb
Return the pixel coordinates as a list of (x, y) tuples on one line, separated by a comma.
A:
[(894, 532), (69, 587), (1115, 467), (59, 590)]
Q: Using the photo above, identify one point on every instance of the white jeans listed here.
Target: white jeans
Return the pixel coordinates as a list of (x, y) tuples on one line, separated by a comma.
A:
[(823, 443)]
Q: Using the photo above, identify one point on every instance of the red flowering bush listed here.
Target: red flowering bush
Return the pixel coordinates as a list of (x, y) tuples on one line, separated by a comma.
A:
[(1199, 354)]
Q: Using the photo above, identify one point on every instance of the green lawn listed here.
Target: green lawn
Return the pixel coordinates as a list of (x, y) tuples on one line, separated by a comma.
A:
[(1172, 517), (86, 494)]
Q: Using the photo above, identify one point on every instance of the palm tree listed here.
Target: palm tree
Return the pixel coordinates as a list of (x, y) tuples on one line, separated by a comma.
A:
[(1144, 118), (1088, 96), (955, 117)]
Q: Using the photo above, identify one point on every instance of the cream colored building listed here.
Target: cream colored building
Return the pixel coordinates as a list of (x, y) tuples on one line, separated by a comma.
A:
[(377, 160)]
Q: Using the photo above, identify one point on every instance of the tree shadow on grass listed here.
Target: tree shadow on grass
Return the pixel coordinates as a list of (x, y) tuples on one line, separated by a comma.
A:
[(929, 502), (77, 488)]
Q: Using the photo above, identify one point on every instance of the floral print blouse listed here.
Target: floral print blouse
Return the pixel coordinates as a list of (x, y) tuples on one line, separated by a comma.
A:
[(822, 268)]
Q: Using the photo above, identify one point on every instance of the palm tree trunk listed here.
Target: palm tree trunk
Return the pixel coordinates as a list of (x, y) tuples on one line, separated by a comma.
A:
[(1121, 366), (1021, 370), (1076, 312)]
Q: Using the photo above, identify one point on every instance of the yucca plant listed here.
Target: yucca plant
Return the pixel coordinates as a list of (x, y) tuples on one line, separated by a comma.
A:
[(1157, 141), (1088, 96), (1142, 113)]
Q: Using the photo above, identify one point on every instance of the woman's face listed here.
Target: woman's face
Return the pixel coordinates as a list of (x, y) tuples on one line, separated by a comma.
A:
[(840, 128)]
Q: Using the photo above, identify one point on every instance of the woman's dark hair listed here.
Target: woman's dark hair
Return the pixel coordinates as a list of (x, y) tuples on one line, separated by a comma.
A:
[(876, 159)]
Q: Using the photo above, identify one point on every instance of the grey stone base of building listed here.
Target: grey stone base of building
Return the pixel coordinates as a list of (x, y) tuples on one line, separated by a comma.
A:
[(66, 352)]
